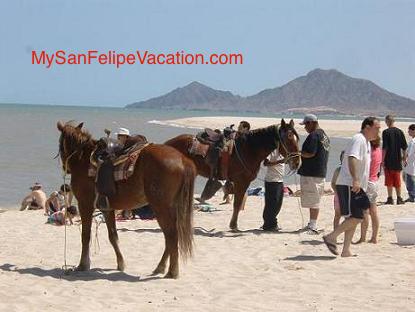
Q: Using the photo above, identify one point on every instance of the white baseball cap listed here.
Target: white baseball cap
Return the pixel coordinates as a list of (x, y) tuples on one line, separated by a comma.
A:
[(123, 131), (309, 118)]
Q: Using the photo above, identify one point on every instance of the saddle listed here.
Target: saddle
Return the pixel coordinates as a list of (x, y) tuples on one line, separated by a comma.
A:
[(216, 148), (111, 162)]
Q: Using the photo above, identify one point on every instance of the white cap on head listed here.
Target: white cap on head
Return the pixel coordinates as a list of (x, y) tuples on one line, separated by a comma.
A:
[(309, 118), (123, 131)]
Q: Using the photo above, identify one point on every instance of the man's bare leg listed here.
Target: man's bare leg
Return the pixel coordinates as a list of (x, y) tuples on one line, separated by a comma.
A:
[(390, 189), (364, 226), (347, 224), (348, 236)]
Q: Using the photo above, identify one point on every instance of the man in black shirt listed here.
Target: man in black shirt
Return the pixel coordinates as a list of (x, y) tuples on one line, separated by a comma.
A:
[(315, 155), (394, 152)]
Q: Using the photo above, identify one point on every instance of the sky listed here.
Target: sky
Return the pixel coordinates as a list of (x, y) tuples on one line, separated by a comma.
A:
[(279, 41)]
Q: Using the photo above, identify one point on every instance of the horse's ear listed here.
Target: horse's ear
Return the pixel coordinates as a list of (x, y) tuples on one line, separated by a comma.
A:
[(60, 126), (292, 123), (79, 127), (283, 124)]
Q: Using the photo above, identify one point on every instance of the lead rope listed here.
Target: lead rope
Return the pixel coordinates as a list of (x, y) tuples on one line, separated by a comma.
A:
[(66, 268), (298, 202)]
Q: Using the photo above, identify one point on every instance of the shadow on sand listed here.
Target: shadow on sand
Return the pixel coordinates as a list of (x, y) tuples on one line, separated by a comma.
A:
[(310, 258), (91, 275)]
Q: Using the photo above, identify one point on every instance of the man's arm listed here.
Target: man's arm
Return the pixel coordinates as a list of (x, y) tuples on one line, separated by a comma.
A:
[(353, 165)]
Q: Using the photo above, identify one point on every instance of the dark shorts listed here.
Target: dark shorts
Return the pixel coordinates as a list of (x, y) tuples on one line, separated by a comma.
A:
[(392, 178), (352, 204)]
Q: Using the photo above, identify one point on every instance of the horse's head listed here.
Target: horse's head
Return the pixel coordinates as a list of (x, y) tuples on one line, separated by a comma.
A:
[(72, 142), (289, 144)]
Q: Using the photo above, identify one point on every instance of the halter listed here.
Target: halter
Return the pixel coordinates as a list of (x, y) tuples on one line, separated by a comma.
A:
[(277, 141)]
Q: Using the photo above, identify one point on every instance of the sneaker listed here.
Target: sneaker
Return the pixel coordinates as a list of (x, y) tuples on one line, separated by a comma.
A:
[(309, 230), (409, 200), (389, 201), (399, 201)]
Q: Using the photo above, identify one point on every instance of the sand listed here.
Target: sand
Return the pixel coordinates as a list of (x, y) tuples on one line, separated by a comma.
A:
[(334, 128), (246, 271)]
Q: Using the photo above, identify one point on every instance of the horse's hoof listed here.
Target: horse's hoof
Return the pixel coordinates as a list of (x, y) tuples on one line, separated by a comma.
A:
[(233, 226), (121, 267), (81, 268), (171, 275), (159, 270)]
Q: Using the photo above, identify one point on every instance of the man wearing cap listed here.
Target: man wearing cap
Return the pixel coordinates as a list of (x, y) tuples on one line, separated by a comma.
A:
[(122, 135), (315, 155)]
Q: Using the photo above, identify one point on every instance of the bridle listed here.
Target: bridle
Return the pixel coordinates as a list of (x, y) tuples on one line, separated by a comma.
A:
[(66, 161), (277, 141)]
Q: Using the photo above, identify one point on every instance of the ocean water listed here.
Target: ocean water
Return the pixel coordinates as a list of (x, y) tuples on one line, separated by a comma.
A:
[(29, 141)]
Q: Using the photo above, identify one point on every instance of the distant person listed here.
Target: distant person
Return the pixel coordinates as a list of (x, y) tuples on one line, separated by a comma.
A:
[(274, 190), (66, 191), (55, 203), (59, 218), (394, 152), (409, 169), (352, 184), (336, 204), (122, 135), (244, 127), (314, 155), (372, 194), (36, 199)]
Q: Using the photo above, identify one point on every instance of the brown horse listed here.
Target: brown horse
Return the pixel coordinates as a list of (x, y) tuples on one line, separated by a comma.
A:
[(249, 151), (163, 178)]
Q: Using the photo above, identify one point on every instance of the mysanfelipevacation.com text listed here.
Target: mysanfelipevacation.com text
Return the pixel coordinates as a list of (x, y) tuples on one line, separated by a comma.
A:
[(138, 57)]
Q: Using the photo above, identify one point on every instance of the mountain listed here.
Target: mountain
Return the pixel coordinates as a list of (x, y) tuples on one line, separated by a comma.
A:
[(320, 91), (193, 96)]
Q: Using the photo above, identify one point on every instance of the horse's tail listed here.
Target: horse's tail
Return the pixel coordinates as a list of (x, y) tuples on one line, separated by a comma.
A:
[(184, 209)]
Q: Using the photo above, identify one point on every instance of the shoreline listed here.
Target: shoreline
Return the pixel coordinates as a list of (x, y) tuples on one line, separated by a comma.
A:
[(336, 128)]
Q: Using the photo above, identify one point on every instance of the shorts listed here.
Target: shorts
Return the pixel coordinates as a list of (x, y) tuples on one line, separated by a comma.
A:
[(372, 192), (352, 204), (312, 188), (392, 178)]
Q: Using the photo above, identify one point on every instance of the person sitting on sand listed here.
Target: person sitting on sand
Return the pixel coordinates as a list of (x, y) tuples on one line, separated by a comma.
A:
[(351, 185), (58, 217), (54, 203), (36, 199)]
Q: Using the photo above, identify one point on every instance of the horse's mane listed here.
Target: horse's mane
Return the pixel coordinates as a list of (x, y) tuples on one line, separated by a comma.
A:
[(265, 137), (77, 137), (261, 137)]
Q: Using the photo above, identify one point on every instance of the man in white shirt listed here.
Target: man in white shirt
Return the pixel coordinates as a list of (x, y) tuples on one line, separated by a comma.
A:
[(409, 168), (351, 185), (274, 190)]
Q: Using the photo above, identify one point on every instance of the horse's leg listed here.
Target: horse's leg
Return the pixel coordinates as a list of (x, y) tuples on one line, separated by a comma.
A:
[(161, 267), (86, 218), (172, 243), (238, 203), (113, 237)]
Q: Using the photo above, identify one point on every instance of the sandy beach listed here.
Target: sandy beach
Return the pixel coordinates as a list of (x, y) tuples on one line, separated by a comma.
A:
[(245, 271), (334, 128)]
